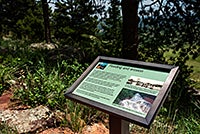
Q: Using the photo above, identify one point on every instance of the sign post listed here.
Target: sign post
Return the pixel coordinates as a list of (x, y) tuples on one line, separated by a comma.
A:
[(118, 126), (128, 90)]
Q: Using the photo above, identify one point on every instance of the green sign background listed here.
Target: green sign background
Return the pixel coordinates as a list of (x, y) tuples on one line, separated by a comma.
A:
[(107, 84)]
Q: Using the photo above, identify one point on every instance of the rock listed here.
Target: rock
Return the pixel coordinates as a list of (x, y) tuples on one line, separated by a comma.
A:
[(3, 50), (39, 120), (29, 120), (48, 46), (97, 128), (5, 100), (57, 131)]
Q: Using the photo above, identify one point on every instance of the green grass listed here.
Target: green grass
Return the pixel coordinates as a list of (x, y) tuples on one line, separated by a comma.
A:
[(195, 63), (162, 125), (196, 71)]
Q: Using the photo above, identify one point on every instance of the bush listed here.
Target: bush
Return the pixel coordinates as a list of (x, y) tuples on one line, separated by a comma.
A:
[(46, 87)]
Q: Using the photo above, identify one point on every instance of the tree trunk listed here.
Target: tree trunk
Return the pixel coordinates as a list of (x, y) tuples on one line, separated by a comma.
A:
[(46, 21), (130, 28)]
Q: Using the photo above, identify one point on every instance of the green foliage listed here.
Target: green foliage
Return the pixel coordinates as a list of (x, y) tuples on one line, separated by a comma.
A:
[(3, 78), (111, 29), (78, 115), (5, 129), (85, 29), (45, 87), (10, 12), (6, 73), (75, 22), (31, 26), (180, 123), (43, 81), (10, 65), (173, 26), (73, 18), (189, 125), (195, 76)]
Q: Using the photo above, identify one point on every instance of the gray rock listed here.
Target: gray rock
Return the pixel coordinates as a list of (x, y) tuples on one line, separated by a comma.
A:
[(29, 120)]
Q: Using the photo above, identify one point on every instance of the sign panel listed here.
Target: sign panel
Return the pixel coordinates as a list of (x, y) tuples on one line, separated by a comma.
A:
[(130, 89)]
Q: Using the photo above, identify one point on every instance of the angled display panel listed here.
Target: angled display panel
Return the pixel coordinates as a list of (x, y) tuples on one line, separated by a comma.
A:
[(132, 90)]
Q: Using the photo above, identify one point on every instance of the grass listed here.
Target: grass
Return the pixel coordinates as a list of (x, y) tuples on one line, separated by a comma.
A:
[(195, 63), (196, 71), (161, 125)]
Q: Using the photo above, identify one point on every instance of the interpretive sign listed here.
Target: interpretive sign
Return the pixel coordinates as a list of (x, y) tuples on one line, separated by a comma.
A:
[(131, 90)]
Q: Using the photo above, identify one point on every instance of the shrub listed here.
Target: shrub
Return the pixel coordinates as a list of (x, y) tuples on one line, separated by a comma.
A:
[(46, 87)]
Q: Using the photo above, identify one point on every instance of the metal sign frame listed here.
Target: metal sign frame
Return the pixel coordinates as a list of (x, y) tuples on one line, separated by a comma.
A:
[(124, 115)]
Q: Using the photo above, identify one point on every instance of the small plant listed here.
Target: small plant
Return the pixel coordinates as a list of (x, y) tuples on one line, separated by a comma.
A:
[(5, 129), (74, 114), (6, 73), (43, 86), (78, 115), (189, 125)]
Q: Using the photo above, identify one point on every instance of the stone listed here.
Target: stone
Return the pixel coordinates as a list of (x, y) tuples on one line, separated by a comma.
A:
[(5, 100), (29, 120), (96, 128), (48, 46)]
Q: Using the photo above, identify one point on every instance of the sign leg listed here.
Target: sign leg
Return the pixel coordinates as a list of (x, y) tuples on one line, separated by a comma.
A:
[(118, 126)]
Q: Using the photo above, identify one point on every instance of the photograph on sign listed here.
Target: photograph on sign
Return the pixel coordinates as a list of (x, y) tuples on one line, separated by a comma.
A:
[(128, 88), (134, 101)]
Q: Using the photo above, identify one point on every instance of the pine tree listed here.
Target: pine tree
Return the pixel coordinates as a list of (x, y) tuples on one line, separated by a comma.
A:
[(12, 11), (31, 26), (112, 28), (72, 18)]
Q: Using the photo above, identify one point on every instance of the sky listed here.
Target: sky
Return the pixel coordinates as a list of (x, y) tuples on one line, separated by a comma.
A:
[(144, 1)]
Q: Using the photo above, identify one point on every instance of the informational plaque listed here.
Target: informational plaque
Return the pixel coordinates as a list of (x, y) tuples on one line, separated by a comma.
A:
[(131, 90)]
